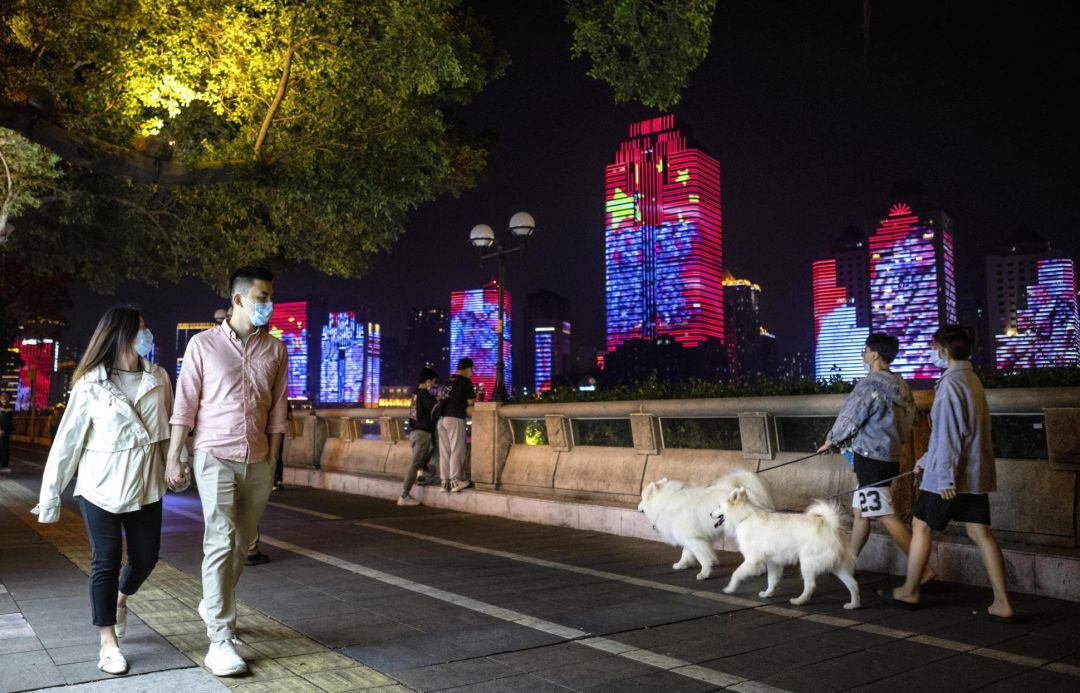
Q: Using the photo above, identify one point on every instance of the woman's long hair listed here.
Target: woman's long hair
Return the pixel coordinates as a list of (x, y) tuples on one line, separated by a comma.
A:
[(115, 332)]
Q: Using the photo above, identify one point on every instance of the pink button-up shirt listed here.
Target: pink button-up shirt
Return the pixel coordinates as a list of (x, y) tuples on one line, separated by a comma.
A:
[(233, 394)]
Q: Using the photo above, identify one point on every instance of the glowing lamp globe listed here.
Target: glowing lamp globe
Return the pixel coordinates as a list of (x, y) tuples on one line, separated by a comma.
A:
[(482, 236), (522, 225)]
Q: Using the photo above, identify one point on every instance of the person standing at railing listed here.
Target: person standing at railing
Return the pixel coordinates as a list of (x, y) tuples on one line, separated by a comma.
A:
[(958, 472), (452, 410), (114, 437), (7, 428), (875, 421), (422, 431)]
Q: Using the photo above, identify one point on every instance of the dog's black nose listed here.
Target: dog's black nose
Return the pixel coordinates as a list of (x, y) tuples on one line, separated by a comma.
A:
[(719, 521)]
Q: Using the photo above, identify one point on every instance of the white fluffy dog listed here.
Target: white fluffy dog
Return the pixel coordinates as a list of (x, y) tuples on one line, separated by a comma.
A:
[(771, 540), (680, 514)]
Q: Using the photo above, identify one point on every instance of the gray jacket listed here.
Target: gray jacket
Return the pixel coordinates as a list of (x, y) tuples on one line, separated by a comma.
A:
[(961, 454), (876, 417)]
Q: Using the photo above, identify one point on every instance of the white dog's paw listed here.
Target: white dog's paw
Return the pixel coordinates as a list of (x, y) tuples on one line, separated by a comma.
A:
[(799, 602), (766, 593), (681, 566), (852, 605), (729, 589), (704, 575)]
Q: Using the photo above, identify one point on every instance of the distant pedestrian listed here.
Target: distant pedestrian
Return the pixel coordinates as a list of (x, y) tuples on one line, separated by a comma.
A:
[(454, 407), (958, 472), (421, 433), (222, 314), (875, 421), (114, 436), (7, 429), (232, 391), (55, 417)]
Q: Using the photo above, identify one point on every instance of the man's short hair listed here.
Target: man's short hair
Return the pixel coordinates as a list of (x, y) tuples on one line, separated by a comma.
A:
[(464, 363), (242, 279), (958, 340), (427, 374), (884, 345)]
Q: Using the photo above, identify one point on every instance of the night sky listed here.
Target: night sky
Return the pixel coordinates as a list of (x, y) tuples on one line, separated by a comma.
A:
[(974, 100)]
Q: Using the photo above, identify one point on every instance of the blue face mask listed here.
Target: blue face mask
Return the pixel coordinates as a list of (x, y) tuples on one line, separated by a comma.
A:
[(144, 343), (938, 360), (261, 312)]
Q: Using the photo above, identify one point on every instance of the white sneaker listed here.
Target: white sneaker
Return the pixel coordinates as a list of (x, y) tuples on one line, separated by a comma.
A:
[(407, 501), (459, 486), (112, 662), (222, 660), (121, 622)]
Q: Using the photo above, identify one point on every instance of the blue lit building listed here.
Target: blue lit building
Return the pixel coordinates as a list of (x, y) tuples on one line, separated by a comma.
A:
[(350, 361)]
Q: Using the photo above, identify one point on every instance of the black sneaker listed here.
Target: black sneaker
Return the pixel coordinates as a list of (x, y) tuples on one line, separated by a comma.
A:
[(256, 559)]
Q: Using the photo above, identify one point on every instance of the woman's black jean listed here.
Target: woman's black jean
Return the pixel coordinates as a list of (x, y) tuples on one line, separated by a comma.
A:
[(142, 528)]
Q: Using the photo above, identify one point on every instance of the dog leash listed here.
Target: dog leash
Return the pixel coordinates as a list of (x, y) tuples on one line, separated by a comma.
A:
[(854, 490), (801, 459)]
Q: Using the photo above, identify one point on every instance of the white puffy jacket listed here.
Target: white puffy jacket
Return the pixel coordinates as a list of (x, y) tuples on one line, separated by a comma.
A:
[(116, 446)]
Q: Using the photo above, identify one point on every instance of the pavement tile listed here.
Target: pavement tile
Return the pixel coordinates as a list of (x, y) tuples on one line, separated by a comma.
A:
[(28, 670), (1037, 679), (960, 672), (287, 647), (392, 655), (464, 673), (534, 659), (353, 679), (600, 671), (838, 673), (337, 634), (309, 663)]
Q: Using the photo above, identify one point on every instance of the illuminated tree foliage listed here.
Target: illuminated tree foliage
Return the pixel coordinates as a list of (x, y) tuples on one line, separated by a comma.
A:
[(644, 49), (164, 138)]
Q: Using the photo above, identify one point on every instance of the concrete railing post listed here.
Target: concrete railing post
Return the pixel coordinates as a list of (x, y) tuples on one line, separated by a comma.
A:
[(391, 430), (491, 443), (758, 435), (560, 439), (647, 436)]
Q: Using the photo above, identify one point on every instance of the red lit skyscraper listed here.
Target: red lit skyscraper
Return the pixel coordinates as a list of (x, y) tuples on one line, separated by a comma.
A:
[(289, 324), (841, 307), (912, 284), (474, 333), (663, 239)]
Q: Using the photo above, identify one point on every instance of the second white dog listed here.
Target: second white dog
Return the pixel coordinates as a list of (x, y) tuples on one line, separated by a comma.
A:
[(771, 540), (680, 513)]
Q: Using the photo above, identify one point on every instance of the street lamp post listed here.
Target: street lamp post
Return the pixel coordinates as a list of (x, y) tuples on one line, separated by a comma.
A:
[(483, 238)]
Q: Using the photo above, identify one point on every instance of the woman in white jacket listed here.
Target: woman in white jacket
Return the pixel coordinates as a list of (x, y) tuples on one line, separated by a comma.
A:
[(114, 436)]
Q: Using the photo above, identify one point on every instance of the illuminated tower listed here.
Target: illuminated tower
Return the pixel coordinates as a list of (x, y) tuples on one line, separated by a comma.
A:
[(289, 324), (350, 361), (912, 283), (841, 289), (40, 359), (1047, 333), (184, 332), (474, 320), (750, 346), (1009, 273), (547, 338), (662, 239), (428, 341)]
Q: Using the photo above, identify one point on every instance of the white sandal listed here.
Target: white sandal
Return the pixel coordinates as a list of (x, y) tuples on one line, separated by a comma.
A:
[(112, 662), (121, 622)]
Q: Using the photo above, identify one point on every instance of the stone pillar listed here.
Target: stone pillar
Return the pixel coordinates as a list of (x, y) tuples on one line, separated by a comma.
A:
[(560, 438), (491, 442), (758, 436), (646, 431), (391, 430)]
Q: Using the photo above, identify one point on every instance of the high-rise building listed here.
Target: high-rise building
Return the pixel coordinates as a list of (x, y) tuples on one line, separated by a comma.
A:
[(912, 283), (751, 348), (474, 332), (662, 232), (841, 290), (1047, 333), (289, 324), (349, 364), (547, 339), (40, 360), (428, 341), (1009, 272), (184, 332)]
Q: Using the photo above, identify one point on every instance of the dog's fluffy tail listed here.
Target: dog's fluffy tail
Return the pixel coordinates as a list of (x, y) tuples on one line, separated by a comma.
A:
[(830, 526), (756, 490), (828, 514)]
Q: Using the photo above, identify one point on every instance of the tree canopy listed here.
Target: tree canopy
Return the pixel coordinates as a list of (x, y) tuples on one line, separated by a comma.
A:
[(156, 139)]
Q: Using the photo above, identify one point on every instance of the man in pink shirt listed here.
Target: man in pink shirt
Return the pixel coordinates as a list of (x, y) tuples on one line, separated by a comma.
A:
[(232, 392)]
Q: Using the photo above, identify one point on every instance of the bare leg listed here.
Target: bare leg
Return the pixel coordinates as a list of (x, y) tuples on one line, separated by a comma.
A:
[(852, 585), (860, 531), (747, 569), (809, 585), (918, 558), (705, 555), (995, 567), (775, 572), (108, 637), (901, 536), (686, 561)]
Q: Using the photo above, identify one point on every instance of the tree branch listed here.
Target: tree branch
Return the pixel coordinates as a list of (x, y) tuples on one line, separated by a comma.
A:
[(103, 157), (283, 83)]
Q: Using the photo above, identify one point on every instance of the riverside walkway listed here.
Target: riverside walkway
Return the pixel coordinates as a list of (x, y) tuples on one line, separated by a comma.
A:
[(363, 595)]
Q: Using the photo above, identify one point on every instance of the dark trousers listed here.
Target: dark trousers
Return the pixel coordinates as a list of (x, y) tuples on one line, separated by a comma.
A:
[(422, 449), (142, 529), (5, 449), (279, 470)]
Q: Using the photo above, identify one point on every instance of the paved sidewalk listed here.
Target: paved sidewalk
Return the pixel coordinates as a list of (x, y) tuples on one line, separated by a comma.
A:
[(435, 600)]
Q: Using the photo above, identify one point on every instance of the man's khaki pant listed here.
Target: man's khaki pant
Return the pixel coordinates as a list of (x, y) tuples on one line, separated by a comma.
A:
[(233, 495)]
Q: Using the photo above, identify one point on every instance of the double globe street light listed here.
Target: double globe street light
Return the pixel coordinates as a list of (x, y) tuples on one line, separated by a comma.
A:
[(483, 238)]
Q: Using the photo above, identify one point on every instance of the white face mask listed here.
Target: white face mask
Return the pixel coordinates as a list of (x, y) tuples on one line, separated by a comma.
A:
[(938, 360), (260, 312)]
